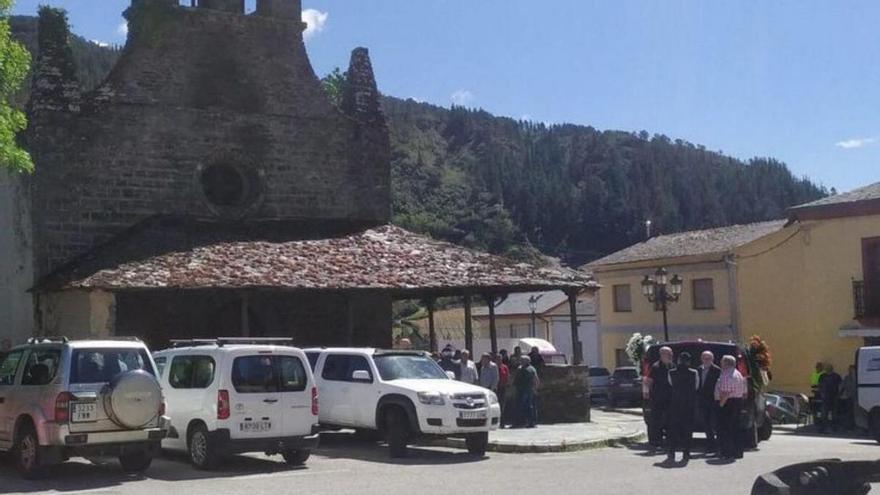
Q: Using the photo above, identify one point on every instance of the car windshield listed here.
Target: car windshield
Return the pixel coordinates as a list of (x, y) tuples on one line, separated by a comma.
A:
[(408, 367), (599, 372), (101, 365)]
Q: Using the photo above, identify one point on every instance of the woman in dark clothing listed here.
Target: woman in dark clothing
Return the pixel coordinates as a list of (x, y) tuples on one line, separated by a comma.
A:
[(685, 383)]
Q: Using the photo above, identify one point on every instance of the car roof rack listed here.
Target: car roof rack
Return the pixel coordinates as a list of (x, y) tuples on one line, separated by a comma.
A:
[(221, 341), (53, 339)]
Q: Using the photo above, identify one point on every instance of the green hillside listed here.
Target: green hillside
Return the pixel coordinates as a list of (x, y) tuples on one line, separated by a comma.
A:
[(520, 188)]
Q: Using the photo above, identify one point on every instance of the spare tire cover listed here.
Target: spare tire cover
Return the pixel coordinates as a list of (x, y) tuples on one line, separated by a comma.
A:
[(132, 400)]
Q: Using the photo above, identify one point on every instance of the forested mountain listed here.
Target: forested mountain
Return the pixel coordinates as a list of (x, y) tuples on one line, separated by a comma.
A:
[(517, 188), (570, 191)]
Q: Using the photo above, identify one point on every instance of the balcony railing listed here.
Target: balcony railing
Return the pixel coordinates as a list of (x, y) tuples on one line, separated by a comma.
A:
[(859, 299)]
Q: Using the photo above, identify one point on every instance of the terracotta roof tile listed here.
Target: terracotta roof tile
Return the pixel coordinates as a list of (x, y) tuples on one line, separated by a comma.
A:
[(867, 193), (693, 243), (383, 258)]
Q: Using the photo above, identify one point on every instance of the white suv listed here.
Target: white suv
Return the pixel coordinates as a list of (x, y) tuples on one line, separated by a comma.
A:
[(60, 399), (229, 396), (403, 395)]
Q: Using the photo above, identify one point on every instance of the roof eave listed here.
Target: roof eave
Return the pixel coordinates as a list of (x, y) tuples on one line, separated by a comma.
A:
[(836, 210)]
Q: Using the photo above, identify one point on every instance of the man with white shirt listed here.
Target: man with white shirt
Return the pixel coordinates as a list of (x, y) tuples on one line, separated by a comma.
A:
[(469, 372), (730, 392)]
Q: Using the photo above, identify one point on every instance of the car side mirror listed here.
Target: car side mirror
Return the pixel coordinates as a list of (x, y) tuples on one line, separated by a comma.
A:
[(361, 376), (451, 375)]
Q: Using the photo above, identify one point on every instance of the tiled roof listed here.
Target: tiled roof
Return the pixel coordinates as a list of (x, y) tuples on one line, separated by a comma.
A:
[(693, 243), (867, 193), (384, 258), (518, 304)]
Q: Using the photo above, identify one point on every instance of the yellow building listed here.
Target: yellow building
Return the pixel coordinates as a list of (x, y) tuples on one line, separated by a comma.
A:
[(809, 285)]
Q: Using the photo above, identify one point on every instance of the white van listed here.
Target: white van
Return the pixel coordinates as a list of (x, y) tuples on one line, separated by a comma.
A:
[(867, 414), (229, 396)]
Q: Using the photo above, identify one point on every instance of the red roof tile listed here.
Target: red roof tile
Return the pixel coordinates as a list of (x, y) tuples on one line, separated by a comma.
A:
[(384, 258)]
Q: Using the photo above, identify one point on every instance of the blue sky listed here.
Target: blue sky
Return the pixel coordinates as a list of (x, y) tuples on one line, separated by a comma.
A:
[(797, 80)]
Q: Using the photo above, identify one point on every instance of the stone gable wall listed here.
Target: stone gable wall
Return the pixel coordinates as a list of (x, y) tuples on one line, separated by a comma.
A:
[(196, 88)]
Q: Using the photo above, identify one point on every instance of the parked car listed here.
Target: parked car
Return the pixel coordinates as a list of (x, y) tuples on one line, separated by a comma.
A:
[(599, 379), (230, 396), (757, 424), (61, 398), (401, 395), (780, 409), (625, 386)]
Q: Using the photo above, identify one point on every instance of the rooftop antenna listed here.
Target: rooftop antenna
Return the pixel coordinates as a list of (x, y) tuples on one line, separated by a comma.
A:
[(647, 229)]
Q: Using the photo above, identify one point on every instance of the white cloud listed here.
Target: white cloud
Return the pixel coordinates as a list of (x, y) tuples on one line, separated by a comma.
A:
[(123, 28), (526, 117), (462, 98), (102, 44), (315, 20), (855, 143)]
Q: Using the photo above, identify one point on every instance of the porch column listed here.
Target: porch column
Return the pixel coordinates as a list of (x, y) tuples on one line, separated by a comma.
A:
[(245, 317), (468, 326), (576, 351), (432, 333), (493, 332)]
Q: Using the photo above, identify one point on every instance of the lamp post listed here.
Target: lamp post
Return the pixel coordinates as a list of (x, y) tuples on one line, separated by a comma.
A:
[(661, 289), (533, 305)]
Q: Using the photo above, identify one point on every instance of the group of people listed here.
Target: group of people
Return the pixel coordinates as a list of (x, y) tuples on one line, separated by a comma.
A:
[(679, 395), (833, 397), (513, 377)]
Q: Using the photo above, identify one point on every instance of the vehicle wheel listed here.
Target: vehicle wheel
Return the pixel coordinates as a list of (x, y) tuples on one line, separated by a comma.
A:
[(477, 443), (766, 430), (202, 454), (137, 462), (874, 425), (397, 430), (296, 457), (26, 453)]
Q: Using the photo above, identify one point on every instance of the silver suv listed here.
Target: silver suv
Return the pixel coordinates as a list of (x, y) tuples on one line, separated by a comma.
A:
[(60, 399)]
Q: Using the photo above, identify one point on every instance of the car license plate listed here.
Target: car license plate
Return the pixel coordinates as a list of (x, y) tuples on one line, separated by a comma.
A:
[(626, 385), (473, 414), (84, 412), (255, 426)]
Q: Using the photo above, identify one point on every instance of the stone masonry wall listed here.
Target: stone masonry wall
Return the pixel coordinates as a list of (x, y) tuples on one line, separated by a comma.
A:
[(197, 88), (16, 259)]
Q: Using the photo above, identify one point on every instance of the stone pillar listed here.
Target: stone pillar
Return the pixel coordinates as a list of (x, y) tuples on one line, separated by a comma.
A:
[(576, 351), (282, 9), (432, 332), (493, 331), (161, 3), (468, 326), (233, 6), (361, 96), (54, 87)]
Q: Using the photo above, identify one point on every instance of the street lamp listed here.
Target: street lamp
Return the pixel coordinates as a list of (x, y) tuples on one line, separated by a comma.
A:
[(664, 290), (533, 305)]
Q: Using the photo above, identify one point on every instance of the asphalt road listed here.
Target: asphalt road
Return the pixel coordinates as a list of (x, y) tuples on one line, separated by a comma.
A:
[(345, 466)]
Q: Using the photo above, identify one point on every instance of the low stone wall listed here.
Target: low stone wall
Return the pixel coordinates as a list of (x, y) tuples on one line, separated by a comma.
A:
[(564, 396)]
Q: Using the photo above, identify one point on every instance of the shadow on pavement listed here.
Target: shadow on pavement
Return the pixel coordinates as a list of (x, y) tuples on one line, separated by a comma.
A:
[(80, 474), (347, 446), (67, 477)]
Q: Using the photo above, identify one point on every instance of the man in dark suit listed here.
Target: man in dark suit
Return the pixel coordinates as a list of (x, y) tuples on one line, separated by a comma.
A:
[(658, 394), (708, 408)]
